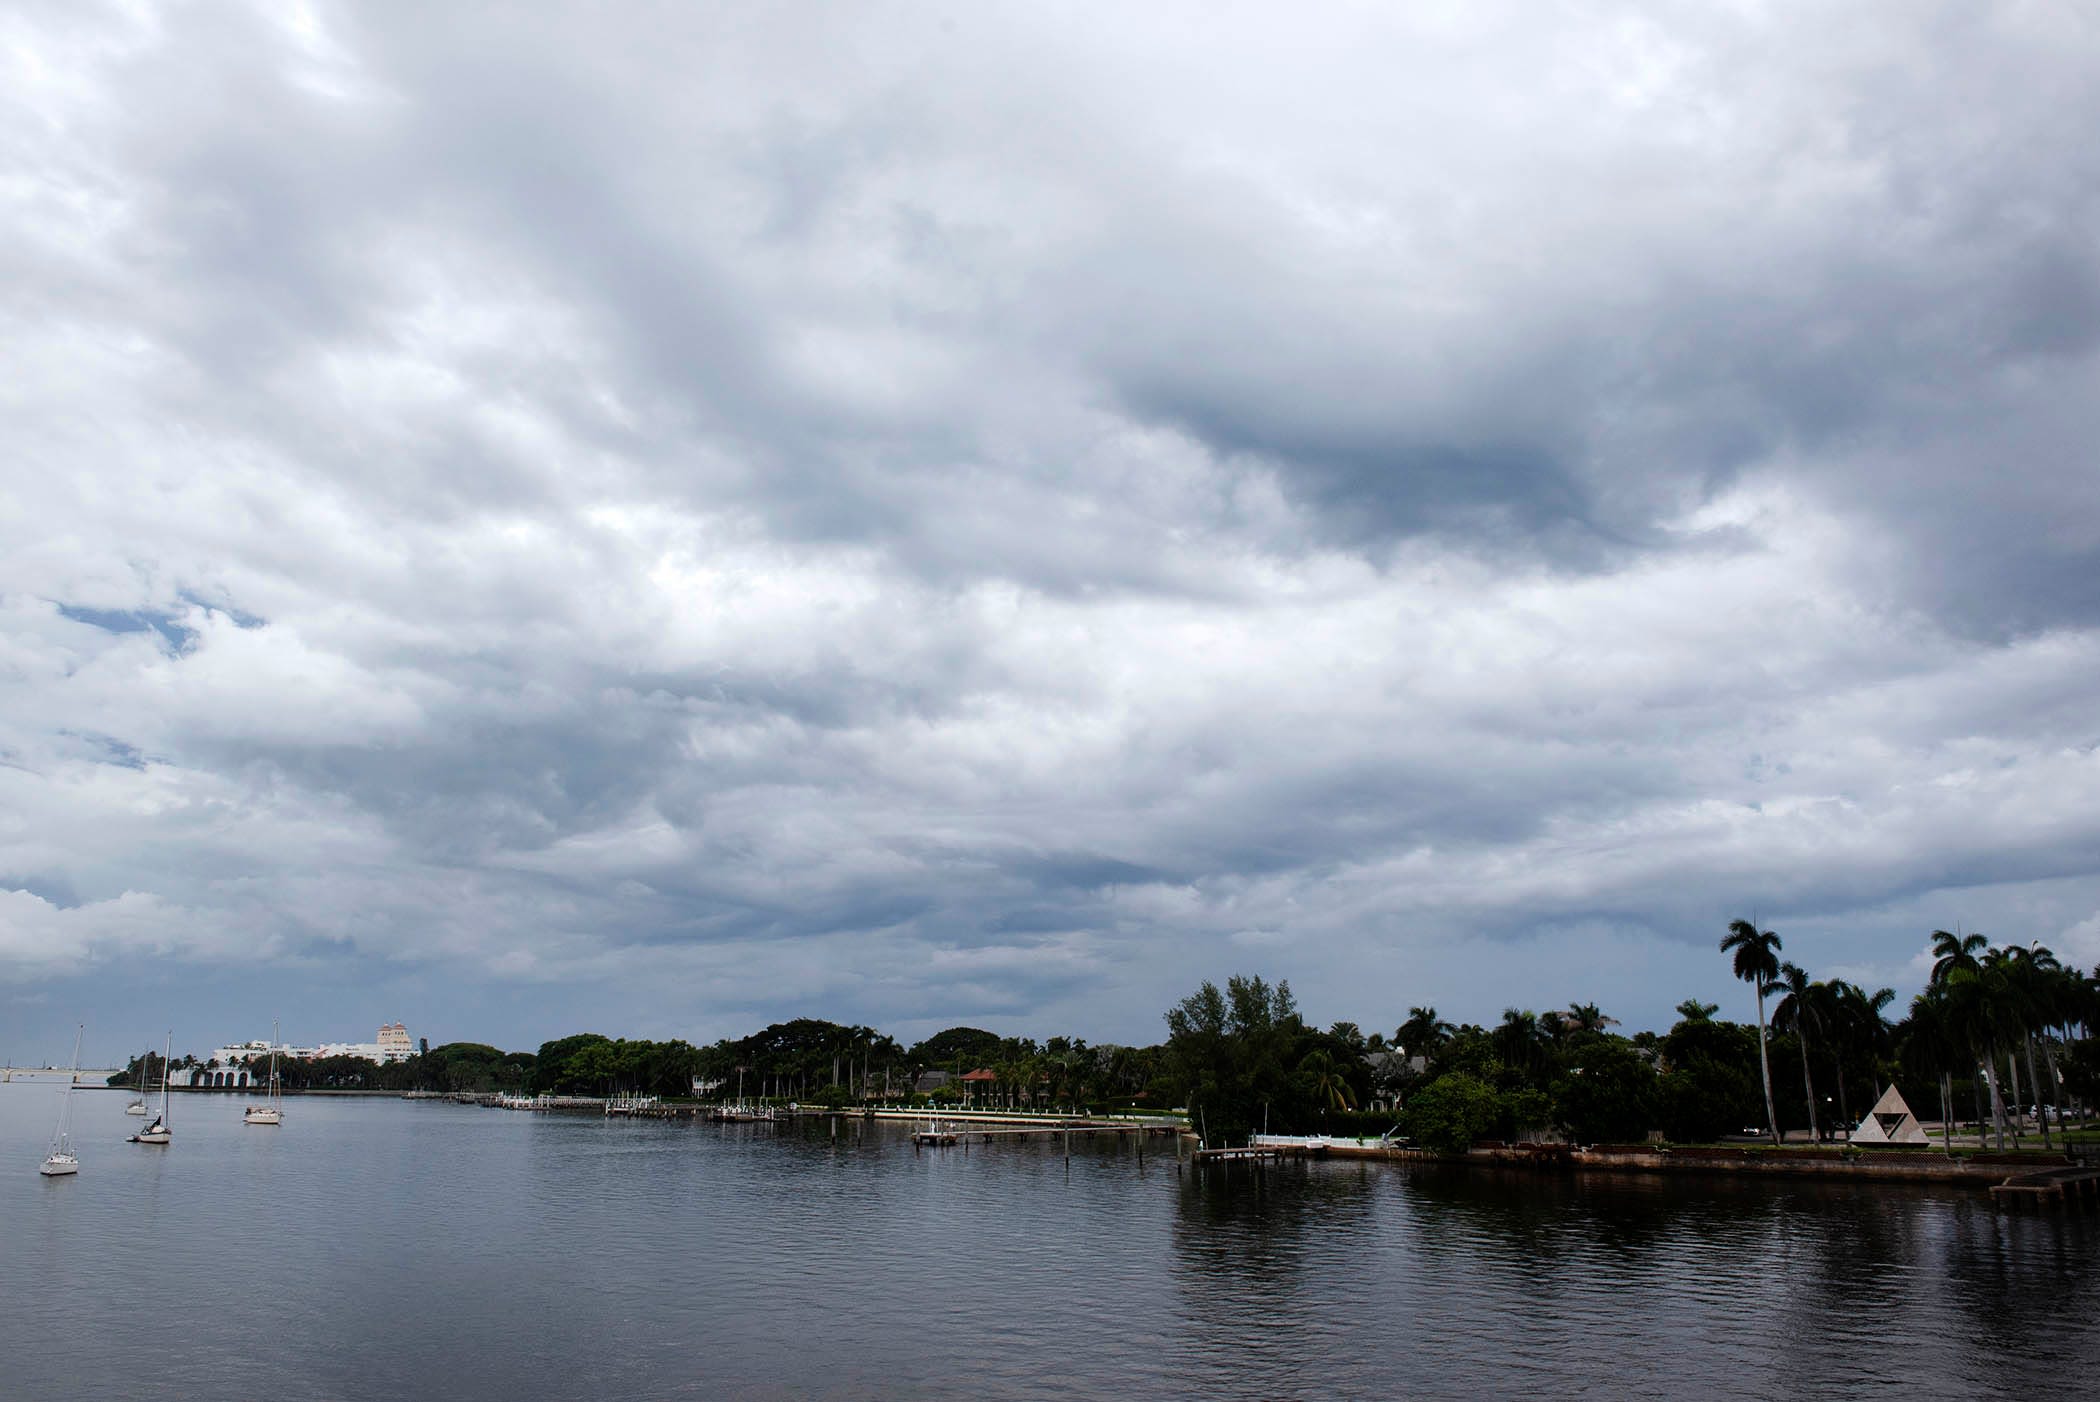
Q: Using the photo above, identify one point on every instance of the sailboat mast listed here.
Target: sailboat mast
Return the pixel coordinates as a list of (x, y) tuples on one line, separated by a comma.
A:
[(65, 1104)]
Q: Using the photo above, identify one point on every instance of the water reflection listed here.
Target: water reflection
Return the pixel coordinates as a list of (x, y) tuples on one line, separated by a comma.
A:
[(423, 1250), (1631, 1284)]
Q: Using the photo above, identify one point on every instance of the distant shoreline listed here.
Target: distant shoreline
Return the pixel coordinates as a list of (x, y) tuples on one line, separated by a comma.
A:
[(250, 1092)]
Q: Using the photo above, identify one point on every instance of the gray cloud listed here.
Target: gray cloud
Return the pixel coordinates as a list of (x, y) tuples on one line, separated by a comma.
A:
[(926, 515)]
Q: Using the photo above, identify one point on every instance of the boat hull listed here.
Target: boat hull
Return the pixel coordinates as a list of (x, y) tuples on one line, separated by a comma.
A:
[(262, 1117), (59, 1165), (138, 1110), (152, 1137)]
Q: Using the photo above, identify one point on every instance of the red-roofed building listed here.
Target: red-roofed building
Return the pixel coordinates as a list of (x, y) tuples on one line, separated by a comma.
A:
[(974, 1081)]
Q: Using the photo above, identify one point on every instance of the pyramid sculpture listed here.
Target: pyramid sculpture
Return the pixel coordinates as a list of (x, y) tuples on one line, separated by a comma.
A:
[(1890, 1122)]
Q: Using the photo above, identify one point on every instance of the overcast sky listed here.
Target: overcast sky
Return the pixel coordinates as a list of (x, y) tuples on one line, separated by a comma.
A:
[(652, 519)]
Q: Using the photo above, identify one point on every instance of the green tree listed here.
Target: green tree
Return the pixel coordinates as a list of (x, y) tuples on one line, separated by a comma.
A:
[(1757, 964), (2031, 986), (1423, 1034), (1227, 1051), (1796, 1013), (1520, 1045), (1328, 1087), (1709, 1082), (1452, 1111), (1608, 1094), (951, 1049), (1585, 1017), (1928, 1046)]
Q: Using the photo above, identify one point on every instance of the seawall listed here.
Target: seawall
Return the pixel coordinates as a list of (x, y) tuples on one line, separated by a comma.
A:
[(1885, 1166)]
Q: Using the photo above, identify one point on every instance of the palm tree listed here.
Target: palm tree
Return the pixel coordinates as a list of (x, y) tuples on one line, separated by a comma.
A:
[(1329, 1087), (1348, 1033), (1692, 1010), (1975, 995), (1422, 1033), (1795, 1013), (1586, 1017), (1517, 1041), (1862, 1024), (1951, 952), (2064, 996), (1827, 1001), (1928, 1045), (1757, 964), (2032, 977)]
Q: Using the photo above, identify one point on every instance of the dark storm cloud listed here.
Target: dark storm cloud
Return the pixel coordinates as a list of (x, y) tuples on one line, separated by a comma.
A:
[(941, 514)]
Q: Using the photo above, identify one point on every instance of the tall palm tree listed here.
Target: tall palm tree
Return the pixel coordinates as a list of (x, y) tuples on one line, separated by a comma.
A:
[(1827, 1000), (2032, 975), (1973, 1006), (1757, 964), (1976, 998), (1795, 1013), (2063, 995), (1423, 1032), (1928, 1046)]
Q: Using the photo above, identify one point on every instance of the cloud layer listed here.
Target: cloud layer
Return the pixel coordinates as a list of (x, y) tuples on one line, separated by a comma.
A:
[(924, 514)]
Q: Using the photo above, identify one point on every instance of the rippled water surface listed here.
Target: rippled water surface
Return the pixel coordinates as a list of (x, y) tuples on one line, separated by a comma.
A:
[(379, 1247)]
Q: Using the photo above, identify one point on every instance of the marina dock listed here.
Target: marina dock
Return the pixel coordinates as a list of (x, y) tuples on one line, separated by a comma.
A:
[(1258, 1153)]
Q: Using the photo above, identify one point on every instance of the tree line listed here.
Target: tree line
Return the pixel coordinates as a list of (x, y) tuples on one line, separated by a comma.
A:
[(1995, 1030), (1245, 1059), (1983, 1014)]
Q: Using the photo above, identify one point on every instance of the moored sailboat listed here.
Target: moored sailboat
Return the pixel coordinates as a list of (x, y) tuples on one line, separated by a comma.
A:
[(158, 1131), (272, 1112), (138, 1098), (62, 1161)]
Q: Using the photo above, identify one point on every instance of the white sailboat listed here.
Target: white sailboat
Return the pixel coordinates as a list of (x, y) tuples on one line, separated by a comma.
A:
[(138, 1099), (62, 1160), (273, 1112), (158, 1132)]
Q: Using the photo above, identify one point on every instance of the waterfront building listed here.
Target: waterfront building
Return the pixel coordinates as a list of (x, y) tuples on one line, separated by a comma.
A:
[(392, 1044), (229, 1067)]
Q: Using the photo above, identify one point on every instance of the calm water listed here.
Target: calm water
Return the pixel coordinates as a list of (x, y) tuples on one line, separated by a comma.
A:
[(376, 1247)]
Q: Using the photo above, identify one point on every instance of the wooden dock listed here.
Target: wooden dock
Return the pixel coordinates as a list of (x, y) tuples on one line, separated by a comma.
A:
[(1260, 1153), (945, 1133), (2052, 1187)]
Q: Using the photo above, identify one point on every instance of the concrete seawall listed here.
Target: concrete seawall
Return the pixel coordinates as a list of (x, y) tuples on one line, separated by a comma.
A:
[(1885, 1166)]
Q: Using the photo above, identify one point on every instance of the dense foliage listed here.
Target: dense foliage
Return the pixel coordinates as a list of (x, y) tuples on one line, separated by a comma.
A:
[(1992, 1026), (1243, 1059)]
